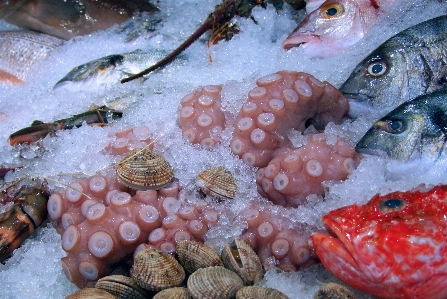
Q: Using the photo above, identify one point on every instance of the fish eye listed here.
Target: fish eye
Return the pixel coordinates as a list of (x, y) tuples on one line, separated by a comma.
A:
[(330, 11), (392, 205), (377, 68), (391, 126)]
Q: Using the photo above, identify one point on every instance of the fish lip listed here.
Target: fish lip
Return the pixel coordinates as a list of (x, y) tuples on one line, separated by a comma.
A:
[(371, 151), (358, 97), (298, 39)]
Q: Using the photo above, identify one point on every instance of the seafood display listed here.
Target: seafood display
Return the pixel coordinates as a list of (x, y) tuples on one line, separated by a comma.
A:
[(405, 66), (333, 26), (392, 247), (412, 134), (66, 19), (20, 50), (98, 116), (224, 162)]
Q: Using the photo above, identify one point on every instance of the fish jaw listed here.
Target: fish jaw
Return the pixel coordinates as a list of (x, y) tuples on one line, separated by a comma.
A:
[(297, 39)]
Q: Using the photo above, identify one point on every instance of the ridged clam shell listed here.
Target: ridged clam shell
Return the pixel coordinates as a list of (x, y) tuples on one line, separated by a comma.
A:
[(217, 182), (214, 282), (173, 293), (257, 292), (239, 257), (142, 169), (89, 293), (156, 270), (121, 286), (194, 255), (333, 290)]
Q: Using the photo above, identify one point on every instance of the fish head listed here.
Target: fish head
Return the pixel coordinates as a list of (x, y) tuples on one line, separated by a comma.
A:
[(334, 26), (391, 247), (378, 82)]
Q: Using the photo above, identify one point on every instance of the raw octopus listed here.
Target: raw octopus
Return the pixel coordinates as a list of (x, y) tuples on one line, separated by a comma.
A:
[(96, 218), (392, 247)]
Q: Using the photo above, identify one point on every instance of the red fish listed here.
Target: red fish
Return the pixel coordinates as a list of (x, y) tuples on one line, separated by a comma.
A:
[(395, 246), (334, 26)]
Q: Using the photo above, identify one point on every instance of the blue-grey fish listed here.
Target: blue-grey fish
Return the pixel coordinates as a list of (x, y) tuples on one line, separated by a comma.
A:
[(411, 63), (108, 70), (414, 133), (20, 49)]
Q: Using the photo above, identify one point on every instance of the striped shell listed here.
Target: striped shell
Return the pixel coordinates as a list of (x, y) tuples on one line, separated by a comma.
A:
[(121, 286), (257, 292), (333, 290), (173, 293), (89, 293), (194, 255), (214, 282), (217, 182), (239, 257), (156, 270), (142, 169)]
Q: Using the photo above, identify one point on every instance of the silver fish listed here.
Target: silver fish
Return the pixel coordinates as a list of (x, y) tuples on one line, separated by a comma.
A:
[(20, 49), (411, 63), (414, 133), (108, 70)]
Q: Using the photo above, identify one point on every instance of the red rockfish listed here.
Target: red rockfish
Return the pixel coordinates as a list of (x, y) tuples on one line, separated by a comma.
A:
[(395, 246)]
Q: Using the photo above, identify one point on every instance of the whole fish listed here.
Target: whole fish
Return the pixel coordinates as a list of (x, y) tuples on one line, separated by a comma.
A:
[(333, 26), (413, 134), (68, 18), (392, 247), (407, 65), (108, 70), (20, 49)]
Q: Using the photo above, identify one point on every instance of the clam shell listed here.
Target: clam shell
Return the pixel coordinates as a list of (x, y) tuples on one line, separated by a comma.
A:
[(257, 292), (333, 290), (239, 257), (142, 169), (217, 182), (89, 293), (194, 255), (156, 270), (121, 286), (214, 282), (173, 293)]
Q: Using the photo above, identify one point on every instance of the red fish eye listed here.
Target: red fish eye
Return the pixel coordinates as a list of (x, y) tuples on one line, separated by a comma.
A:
[(330, 11), (392, 205), (377, 68)]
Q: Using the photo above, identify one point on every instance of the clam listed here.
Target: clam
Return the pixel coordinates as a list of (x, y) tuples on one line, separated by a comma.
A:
[(142, 169), (257, 292), (217, 182), (333, 290), (121, 286), (89, 293), (194, 255), (173, 293), (239, 257), (156, 270), (214, 282)]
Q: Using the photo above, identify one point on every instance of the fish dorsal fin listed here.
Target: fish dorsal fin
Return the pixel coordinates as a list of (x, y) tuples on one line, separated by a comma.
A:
[(36, 123)]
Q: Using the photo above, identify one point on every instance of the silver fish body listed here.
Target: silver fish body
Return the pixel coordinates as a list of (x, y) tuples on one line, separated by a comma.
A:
[(108, 70), (20, 49), (413, 133), (411, 63)]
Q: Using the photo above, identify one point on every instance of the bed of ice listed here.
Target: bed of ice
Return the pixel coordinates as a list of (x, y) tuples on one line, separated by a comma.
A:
[(34, 270)]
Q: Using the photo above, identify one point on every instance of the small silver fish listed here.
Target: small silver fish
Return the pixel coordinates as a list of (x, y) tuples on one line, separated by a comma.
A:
[(413, 133), (411, 63), (108, 70), (20, 49)]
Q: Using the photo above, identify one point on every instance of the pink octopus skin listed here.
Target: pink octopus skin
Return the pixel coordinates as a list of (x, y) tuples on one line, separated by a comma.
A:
[(291, 176), (283, 101), (201, 116), (276, 246)]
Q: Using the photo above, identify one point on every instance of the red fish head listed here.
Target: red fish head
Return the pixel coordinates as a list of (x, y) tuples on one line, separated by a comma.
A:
[(395, 246)]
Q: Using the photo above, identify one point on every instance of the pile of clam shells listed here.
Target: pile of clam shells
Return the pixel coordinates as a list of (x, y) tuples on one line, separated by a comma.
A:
[(159, 275)]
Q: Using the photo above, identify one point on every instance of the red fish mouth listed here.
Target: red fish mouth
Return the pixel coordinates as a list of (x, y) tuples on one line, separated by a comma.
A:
[(298, 39)]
